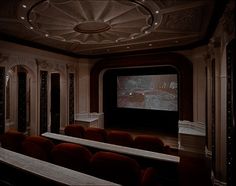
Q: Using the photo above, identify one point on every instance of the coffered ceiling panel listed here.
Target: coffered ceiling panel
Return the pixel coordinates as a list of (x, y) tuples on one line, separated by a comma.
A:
[(98, 27)]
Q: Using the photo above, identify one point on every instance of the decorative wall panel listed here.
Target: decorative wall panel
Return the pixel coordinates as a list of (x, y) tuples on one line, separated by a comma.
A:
[(55, 102), (2, 100), (43, 101), (71, 98), (231, 113), (22, 101), (213, 116)]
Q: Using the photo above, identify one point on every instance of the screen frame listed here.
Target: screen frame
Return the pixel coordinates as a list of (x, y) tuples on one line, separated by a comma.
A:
[(158, 70)]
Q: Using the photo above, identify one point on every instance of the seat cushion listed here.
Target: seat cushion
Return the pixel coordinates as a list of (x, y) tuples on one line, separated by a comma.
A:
[(12, 140), (72, 156), (38, 147), (116, 168), (74, 130)]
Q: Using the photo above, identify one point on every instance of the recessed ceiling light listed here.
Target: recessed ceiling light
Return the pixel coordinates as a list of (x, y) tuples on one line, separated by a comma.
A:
[(150, 44), (24, 6), (155, 23), (22, 17), (46, 35), (31, 28), (157, 12)]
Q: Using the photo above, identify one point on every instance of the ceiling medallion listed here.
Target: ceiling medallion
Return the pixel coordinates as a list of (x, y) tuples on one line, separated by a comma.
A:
[(92, 27), (90, 21)]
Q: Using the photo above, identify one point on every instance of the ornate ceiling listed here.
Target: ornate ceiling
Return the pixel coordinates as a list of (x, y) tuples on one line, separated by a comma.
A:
[(95, 27)]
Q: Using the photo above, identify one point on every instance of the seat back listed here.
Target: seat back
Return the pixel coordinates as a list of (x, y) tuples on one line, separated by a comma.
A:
[(37, 147), (148, 142), (12, 140), (120, 138), (74, 130), (97, 134), (72, 156), (116, 168)]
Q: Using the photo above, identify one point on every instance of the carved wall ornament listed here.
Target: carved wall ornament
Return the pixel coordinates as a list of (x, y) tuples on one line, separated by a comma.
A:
[(42, 63), (70, 67), (57, 67), (61, 68)]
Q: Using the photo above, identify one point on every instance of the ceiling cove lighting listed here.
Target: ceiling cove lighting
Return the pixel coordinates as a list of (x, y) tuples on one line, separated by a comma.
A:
[(90, 21)]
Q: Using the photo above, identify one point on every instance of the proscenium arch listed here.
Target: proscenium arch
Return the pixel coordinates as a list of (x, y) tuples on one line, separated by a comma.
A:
[(180, 62)]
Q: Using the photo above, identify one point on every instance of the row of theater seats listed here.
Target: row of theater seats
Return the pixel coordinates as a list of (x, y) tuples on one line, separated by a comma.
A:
[(106, 165), (145, 142)]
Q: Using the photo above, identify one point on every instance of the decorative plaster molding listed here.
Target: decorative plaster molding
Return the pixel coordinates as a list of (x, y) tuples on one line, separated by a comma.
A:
[(57, 67), (214, 43), (42, 63), (70, 67)]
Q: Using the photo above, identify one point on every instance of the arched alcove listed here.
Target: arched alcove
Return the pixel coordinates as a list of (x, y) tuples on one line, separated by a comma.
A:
[(20, 102)]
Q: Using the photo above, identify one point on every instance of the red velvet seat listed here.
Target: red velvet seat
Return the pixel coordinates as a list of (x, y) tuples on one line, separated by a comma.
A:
[(97, 134), (120, 138), (116, 168), (74, 130), (121, 169), (37, 147), (12, 140), (151, 143), (72, 156)]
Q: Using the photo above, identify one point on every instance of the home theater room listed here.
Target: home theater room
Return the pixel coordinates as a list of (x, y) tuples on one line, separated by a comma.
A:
[(117, 92)]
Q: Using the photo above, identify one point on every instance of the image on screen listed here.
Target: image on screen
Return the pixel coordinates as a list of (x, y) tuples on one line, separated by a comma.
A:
[(155, 92)]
